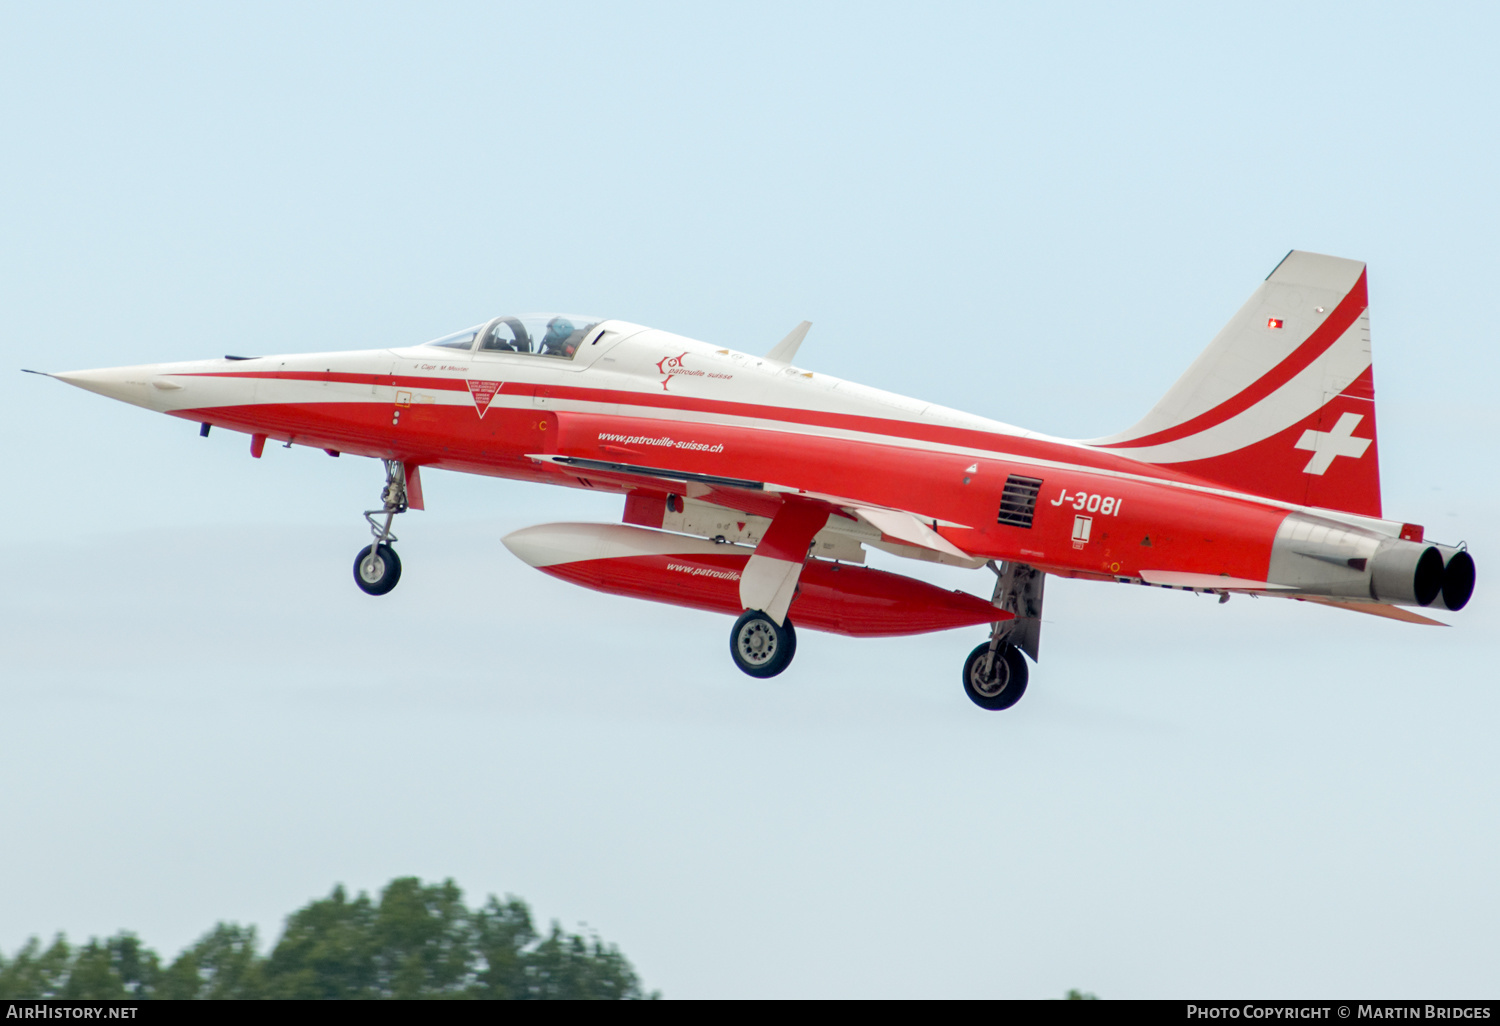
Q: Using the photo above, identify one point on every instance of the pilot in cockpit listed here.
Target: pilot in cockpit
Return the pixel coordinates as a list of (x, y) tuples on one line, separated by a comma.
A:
[(559, 339)]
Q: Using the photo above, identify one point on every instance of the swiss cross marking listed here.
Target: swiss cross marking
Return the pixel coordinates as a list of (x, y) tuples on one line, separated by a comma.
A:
[(1327, 446)]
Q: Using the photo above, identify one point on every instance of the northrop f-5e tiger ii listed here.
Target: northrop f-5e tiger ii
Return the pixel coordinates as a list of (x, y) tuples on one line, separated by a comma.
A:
[(754, 487)]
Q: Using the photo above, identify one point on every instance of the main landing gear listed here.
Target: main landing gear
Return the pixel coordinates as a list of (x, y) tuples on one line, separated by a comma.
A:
[(377, 568), (995, 676), (995, 673), (759, 646)]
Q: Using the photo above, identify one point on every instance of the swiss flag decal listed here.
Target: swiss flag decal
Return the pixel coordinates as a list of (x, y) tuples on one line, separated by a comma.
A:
[(483, 392), (1273, 323)]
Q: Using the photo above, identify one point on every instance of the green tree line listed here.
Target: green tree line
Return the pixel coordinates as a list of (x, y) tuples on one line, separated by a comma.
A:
[(417, 941)]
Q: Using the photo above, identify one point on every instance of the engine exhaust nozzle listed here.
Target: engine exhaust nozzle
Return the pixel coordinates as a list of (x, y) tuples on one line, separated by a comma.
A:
[(1406, 572), (1458, 578)]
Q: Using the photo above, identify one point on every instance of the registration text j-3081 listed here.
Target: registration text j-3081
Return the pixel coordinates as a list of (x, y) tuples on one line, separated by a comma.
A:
[(1104, 505)]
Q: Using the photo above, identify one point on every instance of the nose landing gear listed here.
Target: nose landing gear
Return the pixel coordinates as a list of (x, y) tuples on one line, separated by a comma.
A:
[(377, 568)]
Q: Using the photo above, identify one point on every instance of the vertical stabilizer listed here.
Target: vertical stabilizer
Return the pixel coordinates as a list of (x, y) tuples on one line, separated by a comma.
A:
[(1282, 402)]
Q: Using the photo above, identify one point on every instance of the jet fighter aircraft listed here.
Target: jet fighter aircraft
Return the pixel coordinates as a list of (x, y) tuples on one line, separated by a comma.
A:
[(754, 487)]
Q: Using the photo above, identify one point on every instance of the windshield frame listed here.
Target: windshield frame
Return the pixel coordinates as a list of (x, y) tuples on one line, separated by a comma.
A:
[(446, 341)]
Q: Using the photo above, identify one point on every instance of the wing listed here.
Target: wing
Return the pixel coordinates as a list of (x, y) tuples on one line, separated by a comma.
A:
[(897, 531)]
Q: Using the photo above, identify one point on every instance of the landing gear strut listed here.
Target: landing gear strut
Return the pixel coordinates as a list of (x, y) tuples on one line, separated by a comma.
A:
[(995, 673), (377, 568), (759, 647)]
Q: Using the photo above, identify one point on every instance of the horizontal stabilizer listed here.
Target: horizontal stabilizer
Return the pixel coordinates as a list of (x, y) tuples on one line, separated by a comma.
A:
[(1378, 609)]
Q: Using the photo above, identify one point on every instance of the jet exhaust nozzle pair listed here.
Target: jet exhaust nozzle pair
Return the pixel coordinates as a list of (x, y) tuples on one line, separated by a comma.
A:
[(1440, 576)]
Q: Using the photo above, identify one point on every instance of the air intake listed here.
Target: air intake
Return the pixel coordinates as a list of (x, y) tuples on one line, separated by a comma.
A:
[(1018, 501)]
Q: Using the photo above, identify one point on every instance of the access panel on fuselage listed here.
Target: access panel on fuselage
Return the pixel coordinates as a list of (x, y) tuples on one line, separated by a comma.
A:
[(1114, 526)]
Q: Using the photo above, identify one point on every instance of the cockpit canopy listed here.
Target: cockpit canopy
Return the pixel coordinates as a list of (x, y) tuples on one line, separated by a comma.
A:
[(556, 335)]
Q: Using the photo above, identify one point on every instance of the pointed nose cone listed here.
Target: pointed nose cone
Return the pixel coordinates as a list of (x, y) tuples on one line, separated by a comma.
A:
[(165, 387), (127, 384)]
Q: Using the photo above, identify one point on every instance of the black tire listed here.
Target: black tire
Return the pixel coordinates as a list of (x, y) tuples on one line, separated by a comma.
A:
[(377, 573), (1006, 682), (759, 647)]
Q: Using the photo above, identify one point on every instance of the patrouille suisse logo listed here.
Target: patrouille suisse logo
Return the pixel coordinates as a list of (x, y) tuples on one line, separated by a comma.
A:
[(483, 392), (671, 367)]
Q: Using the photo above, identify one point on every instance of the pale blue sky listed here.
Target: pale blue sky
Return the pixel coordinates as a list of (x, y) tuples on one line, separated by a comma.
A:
[(1036, 215)]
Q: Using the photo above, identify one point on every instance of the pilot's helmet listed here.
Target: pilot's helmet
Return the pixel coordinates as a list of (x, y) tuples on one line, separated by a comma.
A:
[(558, 330)]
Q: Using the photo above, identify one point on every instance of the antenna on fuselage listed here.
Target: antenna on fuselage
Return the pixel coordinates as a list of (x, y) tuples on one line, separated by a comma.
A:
[(786, 349)]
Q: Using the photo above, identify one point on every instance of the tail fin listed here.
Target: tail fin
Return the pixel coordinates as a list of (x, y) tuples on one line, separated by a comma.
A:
[(1282, 402)]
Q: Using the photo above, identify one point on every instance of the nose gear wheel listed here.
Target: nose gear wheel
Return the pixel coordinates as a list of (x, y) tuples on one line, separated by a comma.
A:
[(376, 572), (377, 567)]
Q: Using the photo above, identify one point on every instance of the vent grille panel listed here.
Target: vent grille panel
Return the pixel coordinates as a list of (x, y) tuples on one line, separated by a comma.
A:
[(1018, 501)]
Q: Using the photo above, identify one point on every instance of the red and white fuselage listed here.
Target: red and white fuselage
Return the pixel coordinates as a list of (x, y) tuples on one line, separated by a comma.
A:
[(1257, 472)]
